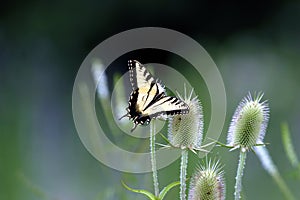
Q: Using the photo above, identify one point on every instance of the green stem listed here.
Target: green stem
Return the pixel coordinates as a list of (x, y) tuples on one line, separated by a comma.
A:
[(288, 145), (239, 175), (268, 164), (153, 158), (183, 170), (283, 187)]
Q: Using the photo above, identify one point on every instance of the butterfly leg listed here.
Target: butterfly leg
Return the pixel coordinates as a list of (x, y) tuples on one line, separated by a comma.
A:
[(134, 127)]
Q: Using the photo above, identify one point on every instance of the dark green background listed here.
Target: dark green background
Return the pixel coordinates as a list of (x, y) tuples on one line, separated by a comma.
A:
[(256, 46)]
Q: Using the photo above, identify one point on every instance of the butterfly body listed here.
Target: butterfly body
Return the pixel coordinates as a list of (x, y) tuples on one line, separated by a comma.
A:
[(148, 97)]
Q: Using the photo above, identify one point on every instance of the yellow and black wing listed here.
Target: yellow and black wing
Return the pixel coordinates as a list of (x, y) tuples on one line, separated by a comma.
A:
[(148, 97)]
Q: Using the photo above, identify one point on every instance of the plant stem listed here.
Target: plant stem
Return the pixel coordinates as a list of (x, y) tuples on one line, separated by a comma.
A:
[(239, 175), (153, 158), (268, 164), (288, 145), (183, 169), (283, 187)]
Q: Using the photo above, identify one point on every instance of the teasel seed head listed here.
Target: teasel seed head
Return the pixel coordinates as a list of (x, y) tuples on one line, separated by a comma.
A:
[(186, 131), (249, 123), (208, 183)]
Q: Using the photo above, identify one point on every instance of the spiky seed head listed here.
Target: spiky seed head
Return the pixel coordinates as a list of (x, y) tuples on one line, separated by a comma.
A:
[(186, 131), (249, 123), (208, 183)]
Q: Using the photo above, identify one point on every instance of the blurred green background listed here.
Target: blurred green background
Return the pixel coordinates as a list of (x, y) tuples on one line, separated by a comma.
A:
[(256, 46)]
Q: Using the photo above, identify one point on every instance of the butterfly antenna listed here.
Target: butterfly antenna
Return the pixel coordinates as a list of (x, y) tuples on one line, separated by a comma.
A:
[(126, 115), (134, 127)]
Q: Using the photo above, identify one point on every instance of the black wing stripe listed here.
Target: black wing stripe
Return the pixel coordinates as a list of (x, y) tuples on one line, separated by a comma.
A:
[(152, 84), (174, 100), (148, 78), (177, 103), (145, 73), (169, 99), (157, 96), (168, 112)]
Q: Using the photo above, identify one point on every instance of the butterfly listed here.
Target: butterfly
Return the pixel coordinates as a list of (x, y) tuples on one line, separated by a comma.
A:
[(148, 99)]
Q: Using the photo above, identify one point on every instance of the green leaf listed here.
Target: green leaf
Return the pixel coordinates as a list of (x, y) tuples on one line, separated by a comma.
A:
[(167, 188), (145, 192), (224, 145), (165, 139)]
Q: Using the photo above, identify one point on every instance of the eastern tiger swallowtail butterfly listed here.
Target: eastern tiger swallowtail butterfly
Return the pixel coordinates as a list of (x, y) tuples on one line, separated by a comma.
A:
[(148, 97)]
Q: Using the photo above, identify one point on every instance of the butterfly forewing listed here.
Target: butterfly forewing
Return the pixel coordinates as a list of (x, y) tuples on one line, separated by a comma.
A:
[(139, 75), (148, 95)]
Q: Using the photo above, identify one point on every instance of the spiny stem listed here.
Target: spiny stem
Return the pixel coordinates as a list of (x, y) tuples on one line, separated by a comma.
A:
[(183, 169), (153, 158), (239, 175)]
